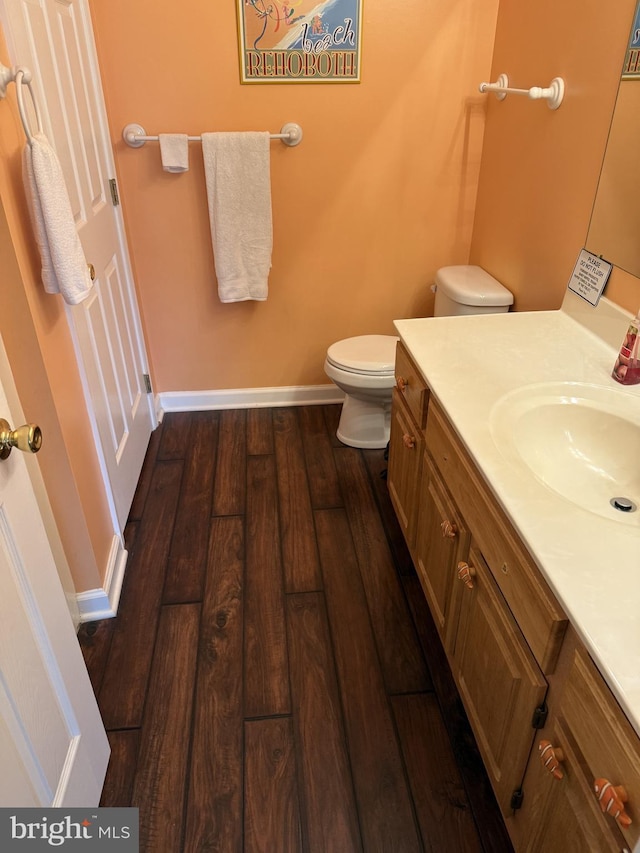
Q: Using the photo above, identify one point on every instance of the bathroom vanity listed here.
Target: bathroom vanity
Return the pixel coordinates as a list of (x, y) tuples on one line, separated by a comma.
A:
[(531, 586)]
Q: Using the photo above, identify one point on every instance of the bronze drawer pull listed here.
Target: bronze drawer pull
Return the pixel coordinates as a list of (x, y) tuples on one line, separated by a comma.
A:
[(551, 756), (611, 799), (466, 574), (449, 530)]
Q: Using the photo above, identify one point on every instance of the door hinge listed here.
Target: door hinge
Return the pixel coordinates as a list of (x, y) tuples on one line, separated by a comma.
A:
[(540, 715), (113, 186), (516, 799), (147, 383)]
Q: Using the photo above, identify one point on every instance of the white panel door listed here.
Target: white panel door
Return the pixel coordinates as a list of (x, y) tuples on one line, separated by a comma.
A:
[(53, 747), (54, 39)]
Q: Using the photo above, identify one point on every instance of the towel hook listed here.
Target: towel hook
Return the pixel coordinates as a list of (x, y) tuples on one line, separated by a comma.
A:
[(21, 77)]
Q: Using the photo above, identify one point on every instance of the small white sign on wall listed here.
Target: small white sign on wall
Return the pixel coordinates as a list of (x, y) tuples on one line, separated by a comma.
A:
[(589, 276)]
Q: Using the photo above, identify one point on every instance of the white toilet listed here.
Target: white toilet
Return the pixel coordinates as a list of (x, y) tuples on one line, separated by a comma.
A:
[(363, 367)]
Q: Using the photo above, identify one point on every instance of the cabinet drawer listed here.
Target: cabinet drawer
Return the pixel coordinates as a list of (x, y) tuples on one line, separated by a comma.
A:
[(411, 385), (541, 619), (570, 820)]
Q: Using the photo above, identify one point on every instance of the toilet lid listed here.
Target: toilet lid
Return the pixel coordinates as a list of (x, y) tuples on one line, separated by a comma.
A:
[(368, 354)]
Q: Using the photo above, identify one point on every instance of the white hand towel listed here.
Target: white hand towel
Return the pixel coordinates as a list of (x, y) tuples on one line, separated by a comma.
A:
[(237, 172), (64, 267), (174, 150)]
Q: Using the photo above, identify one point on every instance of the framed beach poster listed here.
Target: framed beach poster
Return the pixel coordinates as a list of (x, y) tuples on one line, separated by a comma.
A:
[(300, 41), (631, 70)]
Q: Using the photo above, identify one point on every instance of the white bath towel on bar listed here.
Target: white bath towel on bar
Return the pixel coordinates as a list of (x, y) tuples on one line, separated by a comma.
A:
[(237, 172), (64, 267), (174, 152)]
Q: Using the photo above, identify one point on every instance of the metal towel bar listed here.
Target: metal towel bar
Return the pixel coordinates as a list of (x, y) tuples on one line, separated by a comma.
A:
[(135, 135), (553, 93)]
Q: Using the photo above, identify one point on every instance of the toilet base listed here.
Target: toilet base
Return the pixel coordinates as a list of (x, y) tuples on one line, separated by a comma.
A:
[(364, 424)]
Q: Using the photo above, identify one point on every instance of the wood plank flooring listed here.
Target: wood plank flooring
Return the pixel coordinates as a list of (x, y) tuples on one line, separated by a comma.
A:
[(273, 681)]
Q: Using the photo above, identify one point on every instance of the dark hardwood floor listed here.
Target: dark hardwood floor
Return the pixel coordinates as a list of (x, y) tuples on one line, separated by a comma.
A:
[(273, 680)]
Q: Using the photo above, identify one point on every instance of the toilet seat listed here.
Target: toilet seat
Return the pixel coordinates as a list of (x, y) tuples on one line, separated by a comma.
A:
[(368, 355)]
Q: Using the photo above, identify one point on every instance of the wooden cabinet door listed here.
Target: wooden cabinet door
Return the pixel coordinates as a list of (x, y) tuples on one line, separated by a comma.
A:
[(594, 740), (442, 540), (536, 610), (403, 473), (498, 678), (563, 816)]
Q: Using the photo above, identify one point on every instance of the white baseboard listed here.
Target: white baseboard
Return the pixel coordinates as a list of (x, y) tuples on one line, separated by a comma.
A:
[(102, 603), (247, 398)]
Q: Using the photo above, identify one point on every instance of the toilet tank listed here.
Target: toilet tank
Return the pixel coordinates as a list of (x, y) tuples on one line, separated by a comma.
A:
[(469, 290)]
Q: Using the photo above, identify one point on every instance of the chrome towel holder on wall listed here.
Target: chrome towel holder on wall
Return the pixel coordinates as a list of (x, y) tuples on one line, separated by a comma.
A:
[(553, 93), (21, 76), (135, 135)]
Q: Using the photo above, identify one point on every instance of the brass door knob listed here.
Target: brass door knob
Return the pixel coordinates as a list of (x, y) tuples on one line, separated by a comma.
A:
[(92, 272), (27, 438)]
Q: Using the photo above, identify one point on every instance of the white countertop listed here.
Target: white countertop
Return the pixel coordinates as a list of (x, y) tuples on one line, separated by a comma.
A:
[(592, 563)]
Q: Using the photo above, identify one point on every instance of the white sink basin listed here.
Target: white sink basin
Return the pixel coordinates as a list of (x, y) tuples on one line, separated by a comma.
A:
[(581, 441)]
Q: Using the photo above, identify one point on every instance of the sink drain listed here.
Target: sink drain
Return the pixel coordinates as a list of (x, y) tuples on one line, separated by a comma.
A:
[(623, 504)]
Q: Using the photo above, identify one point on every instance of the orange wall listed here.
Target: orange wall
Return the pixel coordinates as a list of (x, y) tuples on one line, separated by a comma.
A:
[(379, 194), (36, 336), (540, 168)]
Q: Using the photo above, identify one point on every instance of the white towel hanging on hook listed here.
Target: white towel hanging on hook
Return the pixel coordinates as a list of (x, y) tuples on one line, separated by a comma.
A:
[(64, 267)]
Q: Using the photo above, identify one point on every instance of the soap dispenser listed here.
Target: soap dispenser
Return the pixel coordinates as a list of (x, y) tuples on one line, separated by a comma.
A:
[(626, 370)]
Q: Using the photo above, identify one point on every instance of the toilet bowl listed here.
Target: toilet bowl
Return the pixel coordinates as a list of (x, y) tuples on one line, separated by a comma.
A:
[(363, 366)]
